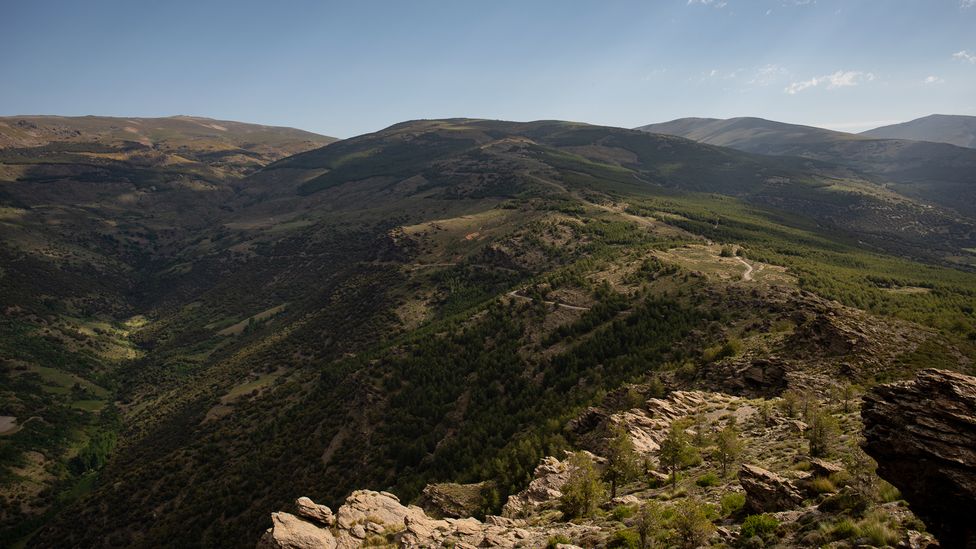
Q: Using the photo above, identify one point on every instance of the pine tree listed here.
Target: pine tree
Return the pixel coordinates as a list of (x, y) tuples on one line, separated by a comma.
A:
[(583, 490), (673, 450), (648, 520), (622, 460), (728, 447)]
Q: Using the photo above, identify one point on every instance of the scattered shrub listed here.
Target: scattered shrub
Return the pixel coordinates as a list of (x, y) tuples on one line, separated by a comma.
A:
[(621, 512), (887, 493), (691, 524), (732, 502), (556, 540), (822, 485), (759, 525), (708, 479), (648, 521), (624, 539)]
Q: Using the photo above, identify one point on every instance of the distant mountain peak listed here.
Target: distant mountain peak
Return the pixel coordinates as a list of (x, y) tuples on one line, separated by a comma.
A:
[(955, 129)]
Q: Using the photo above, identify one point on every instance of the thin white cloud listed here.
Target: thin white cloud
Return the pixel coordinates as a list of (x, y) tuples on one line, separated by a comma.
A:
[(839, 79), (713, 3), (967, 4), (768, 75), (964, 55), (719, 74), (932, 80)]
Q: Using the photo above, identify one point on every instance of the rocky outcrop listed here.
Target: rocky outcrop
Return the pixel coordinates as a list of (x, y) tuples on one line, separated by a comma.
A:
[(647, 425), (453, 500), (823, 468), (378, 518), (543, 491), (291, 532), (922, 433), (767, 492), (747, 377), (315, 512)]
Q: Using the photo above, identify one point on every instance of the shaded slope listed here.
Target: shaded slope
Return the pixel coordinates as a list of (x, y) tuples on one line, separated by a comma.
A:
[(934, 172)]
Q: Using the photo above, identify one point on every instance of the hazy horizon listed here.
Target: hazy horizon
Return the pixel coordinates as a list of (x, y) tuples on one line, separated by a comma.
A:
[(344, 69)]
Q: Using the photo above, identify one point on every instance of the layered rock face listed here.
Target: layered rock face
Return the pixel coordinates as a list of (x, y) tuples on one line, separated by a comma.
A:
[(923, 435)]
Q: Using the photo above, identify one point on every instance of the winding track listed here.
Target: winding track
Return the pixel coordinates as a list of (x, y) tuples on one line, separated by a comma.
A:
[(747, 275), (515, 294)]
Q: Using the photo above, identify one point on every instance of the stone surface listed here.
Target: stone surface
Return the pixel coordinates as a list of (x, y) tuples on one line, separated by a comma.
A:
[(453, 500), (767, 492), (369, 517), (321, 514), (291, 532), (922, 433), (823, 468), (543, 491)]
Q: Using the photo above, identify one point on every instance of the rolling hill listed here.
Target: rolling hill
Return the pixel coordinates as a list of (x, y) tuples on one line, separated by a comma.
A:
[(940, 128), (44, 146), (435, 301), (937, 173)]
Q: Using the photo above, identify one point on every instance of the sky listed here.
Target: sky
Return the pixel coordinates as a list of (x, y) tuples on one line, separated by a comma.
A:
[(347, 68)]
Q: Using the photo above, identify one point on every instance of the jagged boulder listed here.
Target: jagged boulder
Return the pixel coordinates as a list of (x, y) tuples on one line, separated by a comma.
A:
[(318, 513), (767, 492), (291, 532), (823, 468), (922, 433), (453, 500)]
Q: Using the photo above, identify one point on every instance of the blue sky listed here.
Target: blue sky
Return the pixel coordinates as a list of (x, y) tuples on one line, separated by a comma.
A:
[(345, 68)]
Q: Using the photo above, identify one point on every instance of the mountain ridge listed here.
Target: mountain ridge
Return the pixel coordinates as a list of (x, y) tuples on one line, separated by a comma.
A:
[(959, 130), (938, 173)]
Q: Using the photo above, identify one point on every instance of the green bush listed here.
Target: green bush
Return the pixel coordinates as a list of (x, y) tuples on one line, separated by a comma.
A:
[(822, 485), (556, 540), (622, 512), (732, 502), (759, 525), (708, 479), (691, 523), (624, 539)]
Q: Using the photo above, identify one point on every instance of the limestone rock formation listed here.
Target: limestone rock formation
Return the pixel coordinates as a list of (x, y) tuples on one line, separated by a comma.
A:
[(291, 532), (369, 517), (647, 426), (767, 492), (317, 513), (923, 435), (453, 500), (544, 490)]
